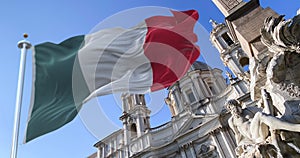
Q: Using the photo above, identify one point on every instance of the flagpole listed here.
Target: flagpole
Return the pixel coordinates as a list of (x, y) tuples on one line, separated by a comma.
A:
[(23, 45)]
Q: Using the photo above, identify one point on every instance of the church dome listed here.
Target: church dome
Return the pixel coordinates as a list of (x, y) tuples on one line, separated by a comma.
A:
[(198, 65)]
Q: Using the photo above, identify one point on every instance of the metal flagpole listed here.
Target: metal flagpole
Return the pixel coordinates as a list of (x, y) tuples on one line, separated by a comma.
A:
[(23, 45)]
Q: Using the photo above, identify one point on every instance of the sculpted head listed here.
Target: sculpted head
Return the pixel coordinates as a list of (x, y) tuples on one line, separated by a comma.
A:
[(233, 106)]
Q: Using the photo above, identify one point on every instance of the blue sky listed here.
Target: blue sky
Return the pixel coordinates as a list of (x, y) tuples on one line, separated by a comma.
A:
[(57, 20)]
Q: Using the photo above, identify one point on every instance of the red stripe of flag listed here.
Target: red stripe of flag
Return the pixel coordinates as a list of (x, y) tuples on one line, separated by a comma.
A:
[(170, 46)]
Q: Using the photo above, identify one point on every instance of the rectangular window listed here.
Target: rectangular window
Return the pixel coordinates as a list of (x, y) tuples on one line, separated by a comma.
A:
[(191, 96)]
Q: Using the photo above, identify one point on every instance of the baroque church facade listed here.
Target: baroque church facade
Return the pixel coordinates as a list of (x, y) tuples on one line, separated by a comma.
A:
[(199, 126)]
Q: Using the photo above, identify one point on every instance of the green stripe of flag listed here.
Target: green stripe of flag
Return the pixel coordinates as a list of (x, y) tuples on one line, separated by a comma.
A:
[(58, 88)]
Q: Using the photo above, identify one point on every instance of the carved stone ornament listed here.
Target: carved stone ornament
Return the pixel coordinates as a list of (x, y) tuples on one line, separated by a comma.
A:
[(232, 3), (281, 35), (207, 151), (278, 69)]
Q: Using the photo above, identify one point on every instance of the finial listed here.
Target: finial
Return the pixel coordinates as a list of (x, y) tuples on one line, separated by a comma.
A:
[(24, 43), (213, 23), (25, 35)]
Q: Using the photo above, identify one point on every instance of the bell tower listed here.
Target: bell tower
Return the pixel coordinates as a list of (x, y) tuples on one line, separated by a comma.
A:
[(136, 116), (244, 21), (230, 51)]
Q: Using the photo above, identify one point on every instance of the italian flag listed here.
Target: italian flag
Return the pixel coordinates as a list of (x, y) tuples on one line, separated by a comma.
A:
[(148, 57)]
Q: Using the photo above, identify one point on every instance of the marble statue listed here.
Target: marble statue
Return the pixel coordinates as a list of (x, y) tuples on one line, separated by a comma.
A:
[(251, 129)]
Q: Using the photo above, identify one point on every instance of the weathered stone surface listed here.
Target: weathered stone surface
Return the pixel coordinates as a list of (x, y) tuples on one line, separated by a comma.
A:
[(276, 71)]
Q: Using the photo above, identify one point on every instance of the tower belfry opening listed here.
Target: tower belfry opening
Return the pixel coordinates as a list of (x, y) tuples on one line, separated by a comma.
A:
[(227, 39)]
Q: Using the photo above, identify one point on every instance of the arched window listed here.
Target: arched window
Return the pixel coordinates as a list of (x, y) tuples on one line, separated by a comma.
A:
[(133, 131), (140, 100), (244, 61), (227, 39)]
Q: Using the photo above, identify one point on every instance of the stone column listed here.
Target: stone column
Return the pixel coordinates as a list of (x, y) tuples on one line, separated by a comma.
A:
[(203, 87), (124, 104), (98, 152), (182, 152), (216, 85), (217, 44), (139, 125), (233, 65), (219, 149), (196, 85), (192, 150), (126, 136), (179, 103), (238, 88), (103, 150), (227, 144)]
